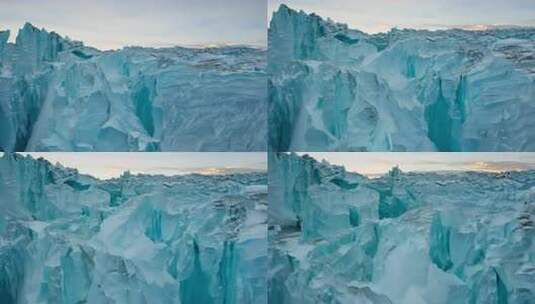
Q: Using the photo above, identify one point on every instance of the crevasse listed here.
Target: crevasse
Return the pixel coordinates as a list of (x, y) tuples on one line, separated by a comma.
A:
[(332, 88), (435, 237), (66, 237), (59, 95)]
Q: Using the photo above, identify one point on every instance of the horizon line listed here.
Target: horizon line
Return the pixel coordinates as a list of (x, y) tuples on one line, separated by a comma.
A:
[(12, 40), (474, 27), (171, 172)]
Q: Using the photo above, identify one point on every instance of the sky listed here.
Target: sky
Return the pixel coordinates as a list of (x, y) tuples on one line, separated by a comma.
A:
[(105, 165), (373, 164), (112, 24), (381, 15)]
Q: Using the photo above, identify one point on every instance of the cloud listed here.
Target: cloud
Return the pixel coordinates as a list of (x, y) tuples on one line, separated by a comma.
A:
[(110, 24), (109, 165), (178, 170), (499, 166), (222, 170), (381, 15), (376, 163)]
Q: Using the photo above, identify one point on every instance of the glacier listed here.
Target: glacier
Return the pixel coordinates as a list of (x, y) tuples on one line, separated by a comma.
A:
[(58, 95), (332, 88), (67, 237), (404, 237)]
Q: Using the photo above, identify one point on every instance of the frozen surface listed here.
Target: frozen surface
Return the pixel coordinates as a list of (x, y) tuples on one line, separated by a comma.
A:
[(407, 238), (58, 95), (332, 88), (70, 238)]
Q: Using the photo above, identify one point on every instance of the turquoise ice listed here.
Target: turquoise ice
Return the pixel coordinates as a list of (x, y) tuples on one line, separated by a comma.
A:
[(404, 238), (66, 237), (332, 88), (59, 95)]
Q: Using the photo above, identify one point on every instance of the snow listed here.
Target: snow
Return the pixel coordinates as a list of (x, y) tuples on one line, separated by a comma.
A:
[(339, 89), (447, 237), (58, 95), (71, 238)]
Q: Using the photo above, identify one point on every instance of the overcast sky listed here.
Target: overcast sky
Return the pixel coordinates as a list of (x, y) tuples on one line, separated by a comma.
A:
[(381, 15), (379, 163), (112, 24), (108, 165)]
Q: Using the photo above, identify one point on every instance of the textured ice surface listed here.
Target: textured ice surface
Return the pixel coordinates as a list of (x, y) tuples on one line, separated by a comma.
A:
[(70, 238), (408, 238), (332, 88), (58, 95)]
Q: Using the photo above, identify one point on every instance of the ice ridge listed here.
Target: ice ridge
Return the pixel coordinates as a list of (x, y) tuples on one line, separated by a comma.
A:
[(332, 88), (59, 95), (436, 237), (66, 237)]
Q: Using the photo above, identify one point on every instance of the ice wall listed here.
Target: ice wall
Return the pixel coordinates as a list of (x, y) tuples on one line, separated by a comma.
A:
[(58, 95), (340, 237), (70, 238), (332, 88)]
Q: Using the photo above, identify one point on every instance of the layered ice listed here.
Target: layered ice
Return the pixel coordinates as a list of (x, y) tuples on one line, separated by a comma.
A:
[(66, 237), (59, 95), (437, 237), (333, 88)]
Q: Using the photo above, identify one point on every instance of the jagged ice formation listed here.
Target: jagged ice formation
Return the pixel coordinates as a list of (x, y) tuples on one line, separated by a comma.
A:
[(407, 238), (59, 95), (332, 88), (70, 238)]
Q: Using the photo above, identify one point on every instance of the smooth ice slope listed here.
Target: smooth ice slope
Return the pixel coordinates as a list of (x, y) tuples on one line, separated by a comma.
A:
[(332, 88), (70, 238), (407, 238), (58, 95)]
